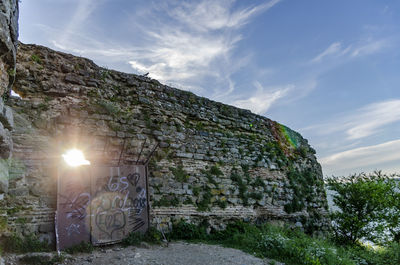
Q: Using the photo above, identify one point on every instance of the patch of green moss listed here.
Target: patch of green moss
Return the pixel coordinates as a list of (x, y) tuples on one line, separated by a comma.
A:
[(301, 183), (109, 107), (35, 58), (199, 126), (214, 170), (188, 201), (15, 209), (258, 182), (196, 191), (204, 203), (20, 220), (255, 195), (302, 151), (43, 107), (212, 173), (3, 223), (275, 153), (235, 177), (179, 174), (105, 73), (150, 123), (221, 203), (11, 72), (167, 201)]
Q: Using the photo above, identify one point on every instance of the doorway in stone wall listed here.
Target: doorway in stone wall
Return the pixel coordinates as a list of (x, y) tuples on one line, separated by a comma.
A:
[(101, 204), (119, 203)]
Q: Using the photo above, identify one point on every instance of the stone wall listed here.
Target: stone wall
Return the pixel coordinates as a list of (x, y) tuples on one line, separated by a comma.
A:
[(8, 42), (8, 46), (215, 162)]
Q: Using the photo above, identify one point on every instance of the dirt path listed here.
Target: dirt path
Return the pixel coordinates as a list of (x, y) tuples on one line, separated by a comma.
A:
[(176, 253)]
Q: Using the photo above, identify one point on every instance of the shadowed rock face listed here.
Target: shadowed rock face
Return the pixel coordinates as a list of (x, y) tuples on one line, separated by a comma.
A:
[(8, 47), (8, 40), (215, 162)]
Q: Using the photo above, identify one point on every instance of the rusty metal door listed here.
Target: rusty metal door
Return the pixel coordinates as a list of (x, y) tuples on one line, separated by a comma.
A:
[(101, 204), (119, 203), (73, 200)]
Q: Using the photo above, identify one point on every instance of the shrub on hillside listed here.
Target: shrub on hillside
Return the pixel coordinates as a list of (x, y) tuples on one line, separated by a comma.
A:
[(369, 208)]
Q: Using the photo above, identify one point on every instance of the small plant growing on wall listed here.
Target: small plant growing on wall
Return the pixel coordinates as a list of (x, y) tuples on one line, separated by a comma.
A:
[(179, 174), (35, 58)]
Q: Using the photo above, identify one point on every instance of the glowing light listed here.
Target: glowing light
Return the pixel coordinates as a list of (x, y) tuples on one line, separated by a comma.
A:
[(15, 94), (74, 158)]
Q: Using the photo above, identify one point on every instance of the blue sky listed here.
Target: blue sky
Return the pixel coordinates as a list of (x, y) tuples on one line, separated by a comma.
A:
[(328, 69)]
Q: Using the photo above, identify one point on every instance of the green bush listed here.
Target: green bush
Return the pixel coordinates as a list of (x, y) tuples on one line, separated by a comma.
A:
[(152, 236), (369, 204), (83, 247), (40, 260), (133, 239), (184, 230), (30, 243), (282, 244)]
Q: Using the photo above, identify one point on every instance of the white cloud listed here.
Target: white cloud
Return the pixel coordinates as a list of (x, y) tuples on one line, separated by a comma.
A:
[(332, 49), (363, 157), (83, 11), (358, 49), (363, 122), (189, 45), (216, 15), (370, 47), (262, 99), (196, 43), (370, 119)]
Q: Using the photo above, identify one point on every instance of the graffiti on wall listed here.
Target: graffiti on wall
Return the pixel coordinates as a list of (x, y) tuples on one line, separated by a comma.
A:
[(73, 200), (101, 204), (119, 204)]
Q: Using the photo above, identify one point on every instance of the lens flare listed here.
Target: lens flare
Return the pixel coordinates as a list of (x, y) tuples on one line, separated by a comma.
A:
[(290, 136), (75, 158)]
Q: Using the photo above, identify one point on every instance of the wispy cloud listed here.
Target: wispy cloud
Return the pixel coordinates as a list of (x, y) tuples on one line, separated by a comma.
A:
[(185, 44), (196, 43), (260, 101), (370, 119), (332, 49), (370, 47), (362, 122), (83, 11), (216, 15), (363, 157), (358, 49)]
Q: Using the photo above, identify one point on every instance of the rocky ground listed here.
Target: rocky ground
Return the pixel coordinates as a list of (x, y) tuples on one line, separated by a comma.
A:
[(174, 253)]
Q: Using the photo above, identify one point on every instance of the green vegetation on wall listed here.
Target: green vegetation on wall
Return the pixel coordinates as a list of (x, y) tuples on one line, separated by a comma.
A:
[(302, 184), (179, 174)]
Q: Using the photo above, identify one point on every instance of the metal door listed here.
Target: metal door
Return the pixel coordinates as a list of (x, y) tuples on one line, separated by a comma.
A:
[(73, 200), (101, 204)]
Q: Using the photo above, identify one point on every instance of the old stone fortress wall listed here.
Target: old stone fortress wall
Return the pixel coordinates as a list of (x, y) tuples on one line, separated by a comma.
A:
[(214, 162)]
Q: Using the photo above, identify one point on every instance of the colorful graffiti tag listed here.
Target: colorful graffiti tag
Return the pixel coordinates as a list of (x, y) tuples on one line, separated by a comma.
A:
[(119, 204), (101, 204)]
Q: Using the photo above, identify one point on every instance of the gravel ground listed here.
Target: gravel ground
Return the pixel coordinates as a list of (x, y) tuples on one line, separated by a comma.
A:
[(177, 253)]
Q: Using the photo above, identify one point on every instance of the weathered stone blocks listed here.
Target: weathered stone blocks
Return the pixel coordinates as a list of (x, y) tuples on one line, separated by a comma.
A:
[(211, 165)]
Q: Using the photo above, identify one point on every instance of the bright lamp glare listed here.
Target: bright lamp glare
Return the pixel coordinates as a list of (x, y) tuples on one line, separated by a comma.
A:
[(75, 158)]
